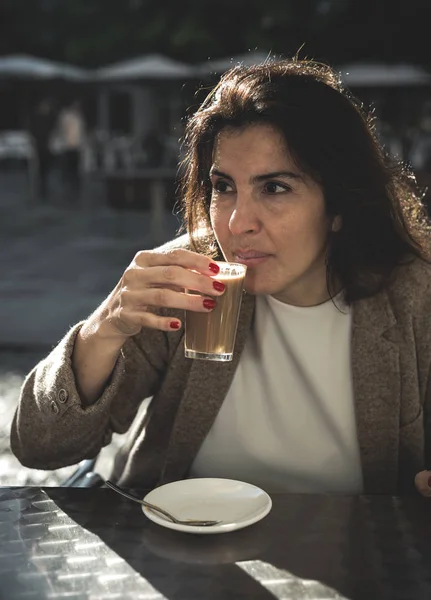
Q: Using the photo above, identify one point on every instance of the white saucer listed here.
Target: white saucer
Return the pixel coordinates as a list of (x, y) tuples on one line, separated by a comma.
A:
[(235, 503)]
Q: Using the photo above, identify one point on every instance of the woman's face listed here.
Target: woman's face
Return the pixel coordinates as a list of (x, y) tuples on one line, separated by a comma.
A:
[(269, 216)]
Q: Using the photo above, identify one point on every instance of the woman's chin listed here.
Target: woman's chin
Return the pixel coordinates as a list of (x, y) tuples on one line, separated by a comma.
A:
[(256, 289)]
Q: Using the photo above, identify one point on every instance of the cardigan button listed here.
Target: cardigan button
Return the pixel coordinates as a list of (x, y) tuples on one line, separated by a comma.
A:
[(62, 396)]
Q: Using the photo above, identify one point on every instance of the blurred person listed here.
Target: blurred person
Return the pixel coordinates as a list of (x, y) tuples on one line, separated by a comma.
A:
[(41, 127), (329, 387), (71, 132)]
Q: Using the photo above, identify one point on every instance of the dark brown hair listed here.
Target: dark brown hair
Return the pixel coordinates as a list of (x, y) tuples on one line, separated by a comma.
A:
[(331, 138)]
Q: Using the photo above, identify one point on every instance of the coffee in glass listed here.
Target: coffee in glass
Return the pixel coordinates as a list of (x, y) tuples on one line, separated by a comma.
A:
[(211, 336)]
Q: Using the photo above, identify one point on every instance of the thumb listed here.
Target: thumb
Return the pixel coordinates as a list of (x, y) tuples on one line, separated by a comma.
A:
[(423, 483)]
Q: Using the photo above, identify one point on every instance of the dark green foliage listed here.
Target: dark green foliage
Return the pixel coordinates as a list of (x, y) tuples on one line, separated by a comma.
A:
[(96, 32)]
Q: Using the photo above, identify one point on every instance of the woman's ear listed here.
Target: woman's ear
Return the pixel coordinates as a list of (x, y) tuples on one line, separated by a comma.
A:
[(336, 223)]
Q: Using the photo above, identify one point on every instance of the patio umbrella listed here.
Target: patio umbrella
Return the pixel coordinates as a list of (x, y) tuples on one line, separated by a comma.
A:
[(220, 65), (22, 66), (383, 75), (150, 66)]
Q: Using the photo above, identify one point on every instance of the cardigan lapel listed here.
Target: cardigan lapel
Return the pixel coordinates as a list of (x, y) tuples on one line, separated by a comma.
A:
[(376, 385), (206, 389)]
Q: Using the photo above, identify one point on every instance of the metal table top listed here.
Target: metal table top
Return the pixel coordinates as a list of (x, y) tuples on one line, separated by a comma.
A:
[(87, 544)]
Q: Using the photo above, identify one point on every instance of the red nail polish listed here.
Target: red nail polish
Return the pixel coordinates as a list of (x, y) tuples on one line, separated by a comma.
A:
[(219, 286), (174, 325), (429, 482), (209, 304), (214, 268)]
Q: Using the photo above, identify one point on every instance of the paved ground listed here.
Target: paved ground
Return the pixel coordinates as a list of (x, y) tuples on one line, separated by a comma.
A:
[(58, 262)]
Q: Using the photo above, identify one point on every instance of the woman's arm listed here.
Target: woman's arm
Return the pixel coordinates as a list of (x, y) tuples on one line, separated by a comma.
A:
[(93, 382), (153, 279), (95, 354), (52, 428), (422, 328)]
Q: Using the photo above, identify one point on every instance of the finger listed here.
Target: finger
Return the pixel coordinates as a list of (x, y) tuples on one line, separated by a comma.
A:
[(165, 298), (180, 257), (423, 483), (153, 321), (175, 277)]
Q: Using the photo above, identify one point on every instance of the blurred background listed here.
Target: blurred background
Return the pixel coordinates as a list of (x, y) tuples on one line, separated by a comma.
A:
[(93, 98)]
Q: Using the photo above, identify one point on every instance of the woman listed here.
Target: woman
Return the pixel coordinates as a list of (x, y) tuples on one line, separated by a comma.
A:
[(328, 389)]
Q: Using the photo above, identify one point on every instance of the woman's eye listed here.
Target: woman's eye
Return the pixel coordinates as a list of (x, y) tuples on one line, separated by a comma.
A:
[(276, 188), (221, 186)]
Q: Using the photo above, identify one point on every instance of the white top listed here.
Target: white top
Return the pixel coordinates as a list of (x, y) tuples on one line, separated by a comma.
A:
[(288, 420)]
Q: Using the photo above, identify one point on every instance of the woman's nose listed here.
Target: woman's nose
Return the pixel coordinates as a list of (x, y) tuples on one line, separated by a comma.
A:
[(243, 218)]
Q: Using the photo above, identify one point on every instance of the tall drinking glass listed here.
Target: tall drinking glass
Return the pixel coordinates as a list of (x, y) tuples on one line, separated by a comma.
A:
[(211, 336)]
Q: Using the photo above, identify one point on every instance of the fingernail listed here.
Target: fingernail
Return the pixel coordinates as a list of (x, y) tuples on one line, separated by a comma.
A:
[(209, 304), (174, 325), (214, 268), (219, 286), (429, 482)]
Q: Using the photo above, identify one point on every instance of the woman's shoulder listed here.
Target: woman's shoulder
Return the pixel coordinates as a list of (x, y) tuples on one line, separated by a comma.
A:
[(411, 282), (415, 272)]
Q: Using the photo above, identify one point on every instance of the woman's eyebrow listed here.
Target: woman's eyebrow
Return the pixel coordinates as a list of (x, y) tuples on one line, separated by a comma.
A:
[(218, 173), (259, 178), (275, 174)]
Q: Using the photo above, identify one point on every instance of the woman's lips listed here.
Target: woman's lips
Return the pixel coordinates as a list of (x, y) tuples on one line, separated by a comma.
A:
[(251, 258)]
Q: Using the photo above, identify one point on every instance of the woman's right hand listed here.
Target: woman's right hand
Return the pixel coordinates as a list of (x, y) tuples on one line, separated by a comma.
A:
[(154, 280)]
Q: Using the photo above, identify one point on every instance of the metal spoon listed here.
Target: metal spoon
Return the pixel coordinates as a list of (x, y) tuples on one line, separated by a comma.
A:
[(165, 513)]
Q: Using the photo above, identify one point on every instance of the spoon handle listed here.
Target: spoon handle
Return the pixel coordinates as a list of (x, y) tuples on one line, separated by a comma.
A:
[(143, 502)]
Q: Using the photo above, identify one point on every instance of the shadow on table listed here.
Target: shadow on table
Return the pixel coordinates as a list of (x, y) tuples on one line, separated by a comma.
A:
[(308, 546), (179, 566)]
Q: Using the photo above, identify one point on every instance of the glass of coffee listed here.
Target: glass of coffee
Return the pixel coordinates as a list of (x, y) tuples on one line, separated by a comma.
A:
[(211, 336)]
